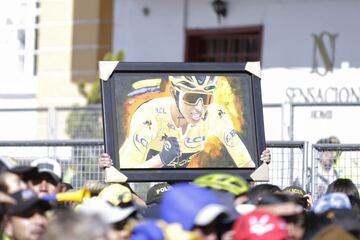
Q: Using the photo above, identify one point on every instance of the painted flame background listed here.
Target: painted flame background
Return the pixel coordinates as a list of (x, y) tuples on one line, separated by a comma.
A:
[(213, 154)]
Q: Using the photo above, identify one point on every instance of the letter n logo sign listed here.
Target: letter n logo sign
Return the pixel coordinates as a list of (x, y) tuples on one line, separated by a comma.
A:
[(324, 53)]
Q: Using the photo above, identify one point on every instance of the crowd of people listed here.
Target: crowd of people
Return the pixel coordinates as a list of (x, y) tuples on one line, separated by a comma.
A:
[(37, 204)]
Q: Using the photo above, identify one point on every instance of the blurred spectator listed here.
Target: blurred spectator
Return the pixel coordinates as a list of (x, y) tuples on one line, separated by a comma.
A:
[(10, 182), (333, 232), (66, 187), (355, 203), (149, 230), (71, 226), (260, 225), (345, 186), (155, 193), (116, 194), (120, 219), (121, 197), (287, 207), (105, 161), (232, 192), (230, 183), (331, 201), (12, 176), (195, 208), (313, 224), (295, 190), (5, 201), (326, 173), (347, 219), (95, 186), (48, 180), (159, 230), (26, 219), (261, 191), (302, 198)]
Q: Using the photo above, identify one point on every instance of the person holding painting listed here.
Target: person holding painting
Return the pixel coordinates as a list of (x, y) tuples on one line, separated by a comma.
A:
[(170, 131)]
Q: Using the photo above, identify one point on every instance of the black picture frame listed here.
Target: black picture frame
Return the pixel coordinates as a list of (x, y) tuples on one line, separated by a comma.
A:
[(115, 76)]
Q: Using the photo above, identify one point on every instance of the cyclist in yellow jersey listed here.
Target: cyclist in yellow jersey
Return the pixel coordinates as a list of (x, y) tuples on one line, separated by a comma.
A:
[(168, 131)]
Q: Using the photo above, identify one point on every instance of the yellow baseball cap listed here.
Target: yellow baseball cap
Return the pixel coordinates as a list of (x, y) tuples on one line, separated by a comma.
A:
[(116, 194)]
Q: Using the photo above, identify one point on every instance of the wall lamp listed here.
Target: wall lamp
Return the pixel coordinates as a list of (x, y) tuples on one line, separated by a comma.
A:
[(220, 8)]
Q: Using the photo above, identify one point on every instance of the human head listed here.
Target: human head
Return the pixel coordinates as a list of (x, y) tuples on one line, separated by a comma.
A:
[(152, 229), (314, 224), (336, 200), (48, 180), (299, 194), (149, 229), (95, 186), (72, 225), (116, 194), (116, 216), (348, 219), (26, 219), (192, 95), (328, 158), (195, 208), (287, 207), (11, 182), (230, 183), (355, 204), (155, 193), (12, 176), (343, 185), (244, 227), (260, 191), (333, 231)]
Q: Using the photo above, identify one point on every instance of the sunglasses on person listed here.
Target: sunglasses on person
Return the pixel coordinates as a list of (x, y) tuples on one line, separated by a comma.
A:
[(193, 98)]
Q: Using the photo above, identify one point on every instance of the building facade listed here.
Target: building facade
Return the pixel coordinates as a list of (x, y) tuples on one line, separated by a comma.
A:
[(307, 50), (48, 46)]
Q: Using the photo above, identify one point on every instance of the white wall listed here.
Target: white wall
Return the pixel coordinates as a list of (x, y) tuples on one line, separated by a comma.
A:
[(287, 50), (156, 37), (288, 27)]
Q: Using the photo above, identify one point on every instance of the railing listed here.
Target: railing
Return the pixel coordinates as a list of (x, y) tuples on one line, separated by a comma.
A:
[(86, 122), (331, 161), (288, 163), (81, 158), (291, 164), (77, 157), (51, 123)]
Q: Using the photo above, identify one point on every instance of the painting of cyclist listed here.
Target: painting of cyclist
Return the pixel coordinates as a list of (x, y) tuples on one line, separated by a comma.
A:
[(169, 131)]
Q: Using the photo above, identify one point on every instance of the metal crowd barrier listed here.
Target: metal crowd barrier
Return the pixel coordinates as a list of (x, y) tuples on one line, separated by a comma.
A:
[(80, 157), (288, 163), (51, 123), (332, 161), (77, 157)]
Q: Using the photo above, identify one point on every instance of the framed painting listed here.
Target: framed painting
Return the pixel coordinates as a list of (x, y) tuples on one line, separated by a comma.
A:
[(177, 121)]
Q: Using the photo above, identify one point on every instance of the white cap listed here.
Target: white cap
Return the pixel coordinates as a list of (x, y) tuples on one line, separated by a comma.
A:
[(209, 213), (108, 213), (50, 166)]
